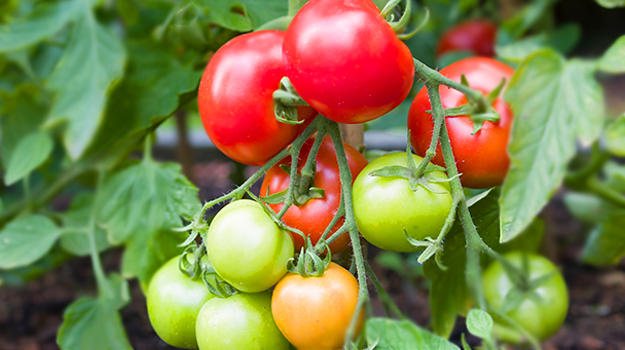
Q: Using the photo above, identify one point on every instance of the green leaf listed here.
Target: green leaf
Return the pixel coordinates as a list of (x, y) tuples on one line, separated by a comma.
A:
[(22, 275), (587, 207), (139, 205), (227, 13), (92, 61), (606, 243), (45, 21), (613, 60), (148, 93), (554, 102), (22, 112), (615, 137), (610, 4), (519, 50), (25, 240), (391, 334), (29, 154), (95, 324), (480, 323), (76, 230)]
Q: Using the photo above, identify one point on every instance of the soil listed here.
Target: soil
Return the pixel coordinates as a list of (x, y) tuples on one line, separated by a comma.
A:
[(31, 314)]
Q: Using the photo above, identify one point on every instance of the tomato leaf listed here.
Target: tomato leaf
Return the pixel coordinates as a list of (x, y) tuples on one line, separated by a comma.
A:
[(554, 103), (139, 205), (45, 21), (480, 323), (610, 4), (615, 137), (391, 334), (90, 323), (242, 15), (587, 207), (25, 240), (74, 236), (606, 243), (93, 60), (613, 60), (29, 153)]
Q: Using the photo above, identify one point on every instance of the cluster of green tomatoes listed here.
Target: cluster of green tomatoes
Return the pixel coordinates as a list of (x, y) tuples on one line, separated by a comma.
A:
[(345, 62)]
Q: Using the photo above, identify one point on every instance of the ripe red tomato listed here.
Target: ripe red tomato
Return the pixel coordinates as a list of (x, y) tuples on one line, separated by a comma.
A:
[(477, 36), (236, 98), (344, 59), (314, 313), (314, 216), (481, 158)]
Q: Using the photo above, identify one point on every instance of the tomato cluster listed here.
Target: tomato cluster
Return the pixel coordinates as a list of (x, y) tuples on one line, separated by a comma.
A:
[(345, 62)]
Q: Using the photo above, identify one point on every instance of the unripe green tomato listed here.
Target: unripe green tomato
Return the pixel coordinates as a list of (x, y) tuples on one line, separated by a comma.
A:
[(385, 206), (174, 301), (542, 318), (240, 322), (246, 248)]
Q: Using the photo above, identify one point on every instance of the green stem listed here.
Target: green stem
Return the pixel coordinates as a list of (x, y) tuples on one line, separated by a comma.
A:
[(606, 192), (431, 152), (104, 289), (431, 76), (530, 338), (308, 171), (387, 301), (340, 212), (350, 224)]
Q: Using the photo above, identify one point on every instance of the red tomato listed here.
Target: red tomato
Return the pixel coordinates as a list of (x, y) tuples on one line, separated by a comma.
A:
[(477, 36), (314, 216), (346, 61), (236, 98), (481, 158)]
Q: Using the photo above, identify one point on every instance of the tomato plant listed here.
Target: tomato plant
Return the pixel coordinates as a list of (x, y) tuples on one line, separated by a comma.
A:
[(246, 248), (314, 312), (476, 36), (386, 208), (481, 158), (235, 98), (541, 305), (315, 215), (242, 321), (174, 301), (346, 61)]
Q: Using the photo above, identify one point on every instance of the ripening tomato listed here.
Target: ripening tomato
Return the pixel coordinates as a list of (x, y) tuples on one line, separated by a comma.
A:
[(386, 209), (240, 322), (174, 301), (314, 216), (481, 158), (235, 98), (541, 310), (314, 313), (477, 36), (247, 248), (346, 61)]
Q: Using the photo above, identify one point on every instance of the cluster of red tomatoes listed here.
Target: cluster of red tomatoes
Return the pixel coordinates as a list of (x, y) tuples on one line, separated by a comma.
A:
[(347, 64)]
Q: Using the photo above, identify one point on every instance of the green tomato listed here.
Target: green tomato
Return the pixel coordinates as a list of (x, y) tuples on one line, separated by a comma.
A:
[(542, 316), (247, 249), (174, 301), (243, 321), (385, 206)]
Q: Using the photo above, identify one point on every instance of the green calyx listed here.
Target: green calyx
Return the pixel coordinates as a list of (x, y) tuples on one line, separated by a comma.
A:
[(285, 103), (389, 13), (201, 268), (309, 263)]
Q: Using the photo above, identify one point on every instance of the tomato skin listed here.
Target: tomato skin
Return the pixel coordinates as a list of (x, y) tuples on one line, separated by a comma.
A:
[(174, 301), (344, 59), (314, 216), (235, 98), (240, 322), (477, 36), (314, 313), (246, 248), (385, 206), (481, 158), (540, 320)]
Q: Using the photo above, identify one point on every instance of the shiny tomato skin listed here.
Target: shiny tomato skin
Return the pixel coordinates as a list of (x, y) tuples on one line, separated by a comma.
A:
[(386, 208), (481, 158), (174, 301), (246, 247), (314, 216), (314, 313), (240, 322), (477, 36), (235, 98), (541, 319), (344, 59)]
